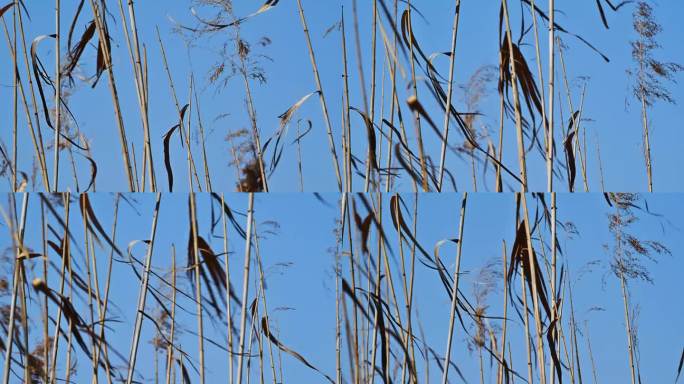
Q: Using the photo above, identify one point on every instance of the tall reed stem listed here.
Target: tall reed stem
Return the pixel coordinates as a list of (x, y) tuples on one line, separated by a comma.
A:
[(229, 316), (321, 95), (450, 91), (245, 286), (172, 333), (66, 197), (198, 284), (502, 355), (103, 37), (550, 109), (17, 282), (143, 294), (454, 292), (58, 96), (535, 291), (647, 143), (15, 98), (554, 309), (516, 101)]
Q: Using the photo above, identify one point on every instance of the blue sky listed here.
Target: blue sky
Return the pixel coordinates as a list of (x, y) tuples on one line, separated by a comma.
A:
[(611, 118), (300, 278)]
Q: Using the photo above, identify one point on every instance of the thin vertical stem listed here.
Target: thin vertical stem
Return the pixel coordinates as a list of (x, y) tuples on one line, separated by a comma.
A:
[(547, 138), (103, 36), (183, 134), (229, 317), (142, 96), (321, 95), (338, 292), (207, 174), (143, 294), (369, 174), (346, 114), (628, 326), (46, 311), (550, 109), (554, 309), (504, 328), (105, 303), (37, 142), (245, 286), (591, 354), (454, 292), (172, 334), (528, 347), (535, 290), (198, 286), (58, 96), (499, 184), (450, 89), (262, 289), (516, 101), (256, 137), (15, 100), (66, 197), (647, 143), (17, 281), (414, 99)]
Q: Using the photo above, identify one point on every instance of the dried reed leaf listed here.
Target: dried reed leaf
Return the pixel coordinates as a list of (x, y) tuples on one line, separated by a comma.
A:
[(218, 26), (77, 51), (286, 116), (615, 8), (372, 140), (520, 258), (558, 27), (93, 172), (6, 8), (167, 143), (76, 322), (570, 151), (93, 222), (291, 352), (40, 76), (364, 227)]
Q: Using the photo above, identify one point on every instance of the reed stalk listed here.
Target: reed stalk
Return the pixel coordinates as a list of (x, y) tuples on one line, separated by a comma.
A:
[(66, 197), (450, 90), (516, 100), (17, 283), (245, 286), (454, 291), (142, 297), (552, 81), (414, 98), (197, 264), (58, 95), (229, 317), (172, 332), (535, 292), (103, 37), (321, 95)]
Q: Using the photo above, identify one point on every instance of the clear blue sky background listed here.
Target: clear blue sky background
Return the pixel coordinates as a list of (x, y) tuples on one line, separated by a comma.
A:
[(299, 273), (607, 117)]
